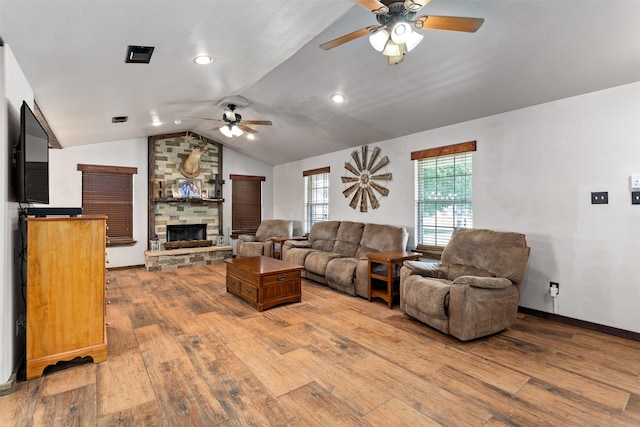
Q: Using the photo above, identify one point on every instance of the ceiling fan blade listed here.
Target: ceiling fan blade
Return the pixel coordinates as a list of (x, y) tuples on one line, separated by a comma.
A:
[(351, 36), (205, 118), (217, 127), (247, 129), (415, 5), (374, 6), (450, 23), (256, 122)]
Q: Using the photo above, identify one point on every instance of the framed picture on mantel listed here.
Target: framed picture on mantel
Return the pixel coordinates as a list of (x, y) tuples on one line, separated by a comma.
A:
[(190, 188)]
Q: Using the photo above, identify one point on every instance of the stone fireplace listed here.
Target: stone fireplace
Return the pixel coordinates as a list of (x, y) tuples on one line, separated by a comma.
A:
[(174, 219)]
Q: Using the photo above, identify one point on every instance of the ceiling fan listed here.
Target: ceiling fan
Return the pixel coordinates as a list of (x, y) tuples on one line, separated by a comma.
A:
[(395, 36), (232, 123)]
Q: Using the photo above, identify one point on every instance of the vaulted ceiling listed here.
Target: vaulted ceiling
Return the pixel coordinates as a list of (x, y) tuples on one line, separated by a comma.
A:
[(526, 53)]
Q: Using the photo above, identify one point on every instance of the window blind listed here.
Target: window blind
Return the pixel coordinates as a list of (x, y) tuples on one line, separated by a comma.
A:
[(246, 203)]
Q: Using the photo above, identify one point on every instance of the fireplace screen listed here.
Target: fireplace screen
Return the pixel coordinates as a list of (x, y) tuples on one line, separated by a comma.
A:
[(186, 232)]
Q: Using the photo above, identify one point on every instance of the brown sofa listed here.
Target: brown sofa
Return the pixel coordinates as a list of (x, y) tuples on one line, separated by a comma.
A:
[(474, 290), (260, 243), (335, 253)]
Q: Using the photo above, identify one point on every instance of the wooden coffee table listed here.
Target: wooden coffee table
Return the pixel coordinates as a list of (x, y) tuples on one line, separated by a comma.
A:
[(263, 281)]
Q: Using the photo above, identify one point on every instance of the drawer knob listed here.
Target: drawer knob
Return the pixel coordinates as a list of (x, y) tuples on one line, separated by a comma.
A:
[(281, 278), (247, 291)]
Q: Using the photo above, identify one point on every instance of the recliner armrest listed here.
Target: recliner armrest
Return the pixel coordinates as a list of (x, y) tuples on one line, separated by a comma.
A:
[(247, 238), (483, 282), (426, 269)]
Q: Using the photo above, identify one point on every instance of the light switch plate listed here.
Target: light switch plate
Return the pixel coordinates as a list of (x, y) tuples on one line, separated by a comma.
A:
[(600, 198), (635, 181)]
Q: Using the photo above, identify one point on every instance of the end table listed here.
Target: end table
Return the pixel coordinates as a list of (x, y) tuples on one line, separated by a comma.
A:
[(279, 241), (384, 273)]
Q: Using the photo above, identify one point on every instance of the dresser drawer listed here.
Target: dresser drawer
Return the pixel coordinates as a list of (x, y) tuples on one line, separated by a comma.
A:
[(280, 277), (249, 292)]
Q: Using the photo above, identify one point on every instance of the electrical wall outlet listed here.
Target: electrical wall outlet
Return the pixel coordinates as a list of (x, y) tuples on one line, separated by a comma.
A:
[(635, 197), (554, 285), (600, 198)]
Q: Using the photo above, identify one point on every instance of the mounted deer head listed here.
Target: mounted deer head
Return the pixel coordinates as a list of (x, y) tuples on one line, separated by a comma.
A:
[(190, 165)]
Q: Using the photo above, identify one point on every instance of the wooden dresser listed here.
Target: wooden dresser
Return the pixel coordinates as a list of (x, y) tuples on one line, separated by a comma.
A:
[(65, 290)]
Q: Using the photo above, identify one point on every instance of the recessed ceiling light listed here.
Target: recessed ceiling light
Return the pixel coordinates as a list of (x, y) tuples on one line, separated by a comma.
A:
[(177, 121), (338, 98), (203, 60), (139, 54), (251, 136), (157, 123)]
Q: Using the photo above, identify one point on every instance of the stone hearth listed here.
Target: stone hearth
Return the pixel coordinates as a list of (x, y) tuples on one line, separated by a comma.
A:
[(186, 257)]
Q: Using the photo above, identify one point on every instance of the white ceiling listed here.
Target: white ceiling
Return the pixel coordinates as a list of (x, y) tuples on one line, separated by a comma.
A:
[(526, 53)]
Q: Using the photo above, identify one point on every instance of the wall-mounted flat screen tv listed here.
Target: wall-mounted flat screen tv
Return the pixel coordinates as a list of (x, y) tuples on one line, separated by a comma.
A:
[(32, 160)]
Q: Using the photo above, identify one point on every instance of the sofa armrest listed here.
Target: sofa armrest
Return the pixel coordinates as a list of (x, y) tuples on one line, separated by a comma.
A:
[(483, 282), (247, 238), (297, 244), (425, 269)]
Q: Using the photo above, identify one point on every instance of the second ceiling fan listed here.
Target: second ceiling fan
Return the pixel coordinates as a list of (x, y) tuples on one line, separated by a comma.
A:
[(232, 123), (394, 36)]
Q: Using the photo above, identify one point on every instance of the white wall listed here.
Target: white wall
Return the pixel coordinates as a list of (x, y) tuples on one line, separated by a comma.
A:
[(65, 182), (13, 90), (533, 173)]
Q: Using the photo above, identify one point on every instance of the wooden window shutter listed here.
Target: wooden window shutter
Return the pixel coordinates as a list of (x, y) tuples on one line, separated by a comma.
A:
[(246, 204), (108, 190)]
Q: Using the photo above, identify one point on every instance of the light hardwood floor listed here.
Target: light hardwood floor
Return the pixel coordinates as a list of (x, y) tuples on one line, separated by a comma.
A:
[(183, 352)]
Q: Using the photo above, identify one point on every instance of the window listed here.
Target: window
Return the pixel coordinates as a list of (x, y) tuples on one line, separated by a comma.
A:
[(316, 196), (443, 183), (108, 190), (246, 204)]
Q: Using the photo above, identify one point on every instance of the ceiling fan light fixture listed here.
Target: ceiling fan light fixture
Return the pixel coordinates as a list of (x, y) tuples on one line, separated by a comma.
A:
[(400, 32), (393, 49), (413, 41), (203, 60), (338, 98), (236, 131), (226, 131), (379, 39)]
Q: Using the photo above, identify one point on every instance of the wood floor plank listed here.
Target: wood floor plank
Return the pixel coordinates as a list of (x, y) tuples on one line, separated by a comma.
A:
[(273, 370), (158, 345), (315, 406), (359, 393), (402, 415), (60, 381), (184, 398), (147, 415), (17, 408), (123, 383), (75, 407)]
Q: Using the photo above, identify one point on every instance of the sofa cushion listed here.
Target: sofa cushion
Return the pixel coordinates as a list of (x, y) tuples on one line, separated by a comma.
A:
[(428, 295), (348, 238), (323, 235), (297, 255), (340, 274), (251, 249), (380, 238), (316, 262), (274, 228)]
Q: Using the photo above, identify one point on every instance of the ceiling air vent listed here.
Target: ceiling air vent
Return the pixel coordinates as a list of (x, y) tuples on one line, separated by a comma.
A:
[(119, 119), (139, 54)]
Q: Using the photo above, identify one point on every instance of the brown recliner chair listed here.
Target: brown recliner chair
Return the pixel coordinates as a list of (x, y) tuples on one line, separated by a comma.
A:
[(260, 243), (474, 290)]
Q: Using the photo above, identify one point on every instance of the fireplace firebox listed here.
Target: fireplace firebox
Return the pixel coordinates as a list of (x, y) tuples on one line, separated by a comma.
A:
[(186, 232)]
